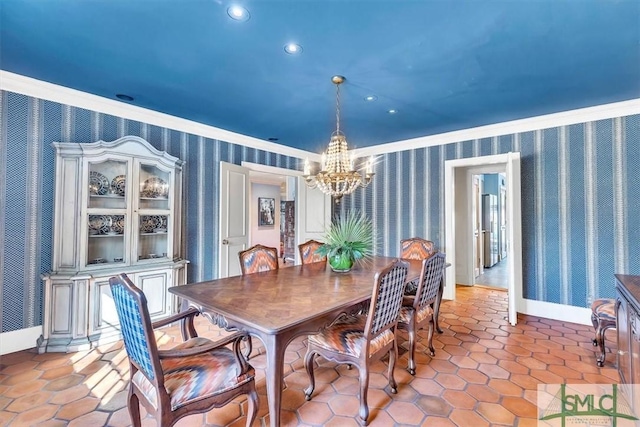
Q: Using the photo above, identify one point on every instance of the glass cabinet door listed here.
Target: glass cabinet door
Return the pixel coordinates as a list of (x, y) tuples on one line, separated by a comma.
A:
[(152, 242), (107, 212), (108, 185), (154, 219), (154, 188), (106, 239)]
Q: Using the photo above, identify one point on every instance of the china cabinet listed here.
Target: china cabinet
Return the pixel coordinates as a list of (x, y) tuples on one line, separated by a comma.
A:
[(117, 210)]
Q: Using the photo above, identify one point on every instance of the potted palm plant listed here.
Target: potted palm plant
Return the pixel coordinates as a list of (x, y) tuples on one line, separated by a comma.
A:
[(348, 239)]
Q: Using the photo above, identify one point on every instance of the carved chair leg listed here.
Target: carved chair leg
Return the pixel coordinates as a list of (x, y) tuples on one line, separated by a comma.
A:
[(393, 356), (600, 333), (252, 408), (364, 387), (134, 409), (432, 350), (594, 321), (308, 364), (411, 364)]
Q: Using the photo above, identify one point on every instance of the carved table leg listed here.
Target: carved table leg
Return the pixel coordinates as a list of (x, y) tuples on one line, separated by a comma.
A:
[(275, 348)]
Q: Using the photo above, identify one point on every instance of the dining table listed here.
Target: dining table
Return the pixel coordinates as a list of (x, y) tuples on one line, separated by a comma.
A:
[(279, 305)]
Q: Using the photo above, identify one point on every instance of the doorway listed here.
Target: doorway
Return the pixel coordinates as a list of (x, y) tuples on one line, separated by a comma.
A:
[(492, 222), (459, 225), (237, 210)]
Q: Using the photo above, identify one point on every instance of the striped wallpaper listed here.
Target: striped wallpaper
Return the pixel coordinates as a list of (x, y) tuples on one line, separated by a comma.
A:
[(580, 203), (28, 127), (581, 209)]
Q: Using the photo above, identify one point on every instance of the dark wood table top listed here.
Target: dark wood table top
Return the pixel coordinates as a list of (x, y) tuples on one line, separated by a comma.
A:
[(273, 301)]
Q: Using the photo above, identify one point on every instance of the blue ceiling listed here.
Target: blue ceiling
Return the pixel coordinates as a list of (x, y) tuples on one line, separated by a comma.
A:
[(443, 65)]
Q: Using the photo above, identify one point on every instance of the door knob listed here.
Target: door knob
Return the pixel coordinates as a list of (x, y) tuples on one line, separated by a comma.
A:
[(225, 242)]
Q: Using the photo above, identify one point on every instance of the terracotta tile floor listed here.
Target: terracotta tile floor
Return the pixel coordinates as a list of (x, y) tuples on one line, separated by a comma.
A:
[(484, 373)]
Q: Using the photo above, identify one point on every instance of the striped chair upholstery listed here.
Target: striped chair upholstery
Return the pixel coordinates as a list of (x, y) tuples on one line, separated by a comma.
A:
[(362, 339), (193, 377), (416, 248), (308, 253), (603, 317), (258, 258), (418, 311)]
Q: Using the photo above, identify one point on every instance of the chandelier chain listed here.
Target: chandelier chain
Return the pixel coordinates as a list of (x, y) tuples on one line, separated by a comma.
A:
[(338, 108)]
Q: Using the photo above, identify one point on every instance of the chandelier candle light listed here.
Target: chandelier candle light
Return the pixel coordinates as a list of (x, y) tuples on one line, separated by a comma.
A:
[(337, 176)]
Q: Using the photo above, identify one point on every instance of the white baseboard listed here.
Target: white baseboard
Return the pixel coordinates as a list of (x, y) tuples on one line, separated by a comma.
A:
[(554, 311), (22, 339)]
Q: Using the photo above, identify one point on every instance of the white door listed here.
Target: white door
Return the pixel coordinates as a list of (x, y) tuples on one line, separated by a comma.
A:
[(313, 214), (477, 227), (234, 217), (514, 234)]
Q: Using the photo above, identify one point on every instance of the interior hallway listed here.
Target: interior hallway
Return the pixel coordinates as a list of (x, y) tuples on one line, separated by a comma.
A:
[(496, 276), (485, 373)]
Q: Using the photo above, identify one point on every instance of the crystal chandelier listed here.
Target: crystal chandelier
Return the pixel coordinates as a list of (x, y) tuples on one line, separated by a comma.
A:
[(337, 176)]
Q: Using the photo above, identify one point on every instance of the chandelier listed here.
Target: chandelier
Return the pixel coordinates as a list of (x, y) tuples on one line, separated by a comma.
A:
[(337, 176)]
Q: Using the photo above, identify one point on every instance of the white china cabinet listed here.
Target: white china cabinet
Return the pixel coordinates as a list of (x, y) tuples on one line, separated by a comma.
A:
[(117, 210)]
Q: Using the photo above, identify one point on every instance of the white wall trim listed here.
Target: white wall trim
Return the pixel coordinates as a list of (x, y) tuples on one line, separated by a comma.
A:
[(39, 89), (270, 169), (554, 311), (22, 339), (565, 118)]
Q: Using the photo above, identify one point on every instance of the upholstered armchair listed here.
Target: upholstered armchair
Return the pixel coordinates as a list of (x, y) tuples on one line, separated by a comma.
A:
[(360, 340), (258, 258), (308, 252), (417, 312), (195, 376)]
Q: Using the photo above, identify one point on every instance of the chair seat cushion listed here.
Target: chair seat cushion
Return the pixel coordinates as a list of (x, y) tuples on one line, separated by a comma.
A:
[(192, 378), (604, 309), (422, 314), (346, 336)]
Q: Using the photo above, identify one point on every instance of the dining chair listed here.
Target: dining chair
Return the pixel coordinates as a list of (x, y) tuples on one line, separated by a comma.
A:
[(415, 248), (308, 253), (362, 339), (195, 376), (418, 311), (258, 258)]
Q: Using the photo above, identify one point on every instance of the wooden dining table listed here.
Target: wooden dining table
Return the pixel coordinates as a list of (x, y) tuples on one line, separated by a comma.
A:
[(279, 305)]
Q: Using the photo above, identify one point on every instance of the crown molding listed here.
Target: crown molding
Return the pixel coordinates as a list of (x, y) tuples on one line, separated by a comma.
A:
[(39, 89), (565, 118), (51, 92)]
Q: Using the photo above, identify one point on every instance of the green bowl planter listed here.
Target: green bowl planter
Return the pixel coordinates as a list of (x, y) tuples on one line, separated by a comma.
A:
[(341, 263), (348, 239)]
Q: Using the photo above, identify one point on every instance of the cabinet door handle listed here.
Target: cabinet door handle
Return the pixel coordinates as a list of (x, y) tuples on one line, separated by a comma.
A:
[(225, 242)]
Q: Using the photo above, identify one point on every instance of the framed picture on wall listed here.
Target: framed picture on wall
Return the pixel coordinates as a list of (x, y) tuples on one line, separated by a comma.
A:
[(266, 211)]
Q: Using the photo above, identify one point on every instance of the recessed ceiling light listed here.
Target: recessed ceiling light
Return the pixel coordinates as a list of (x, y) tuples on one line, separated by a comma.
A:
[(238, 13), (293, 49), (392, 111), (370, 98), (124, 97)]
